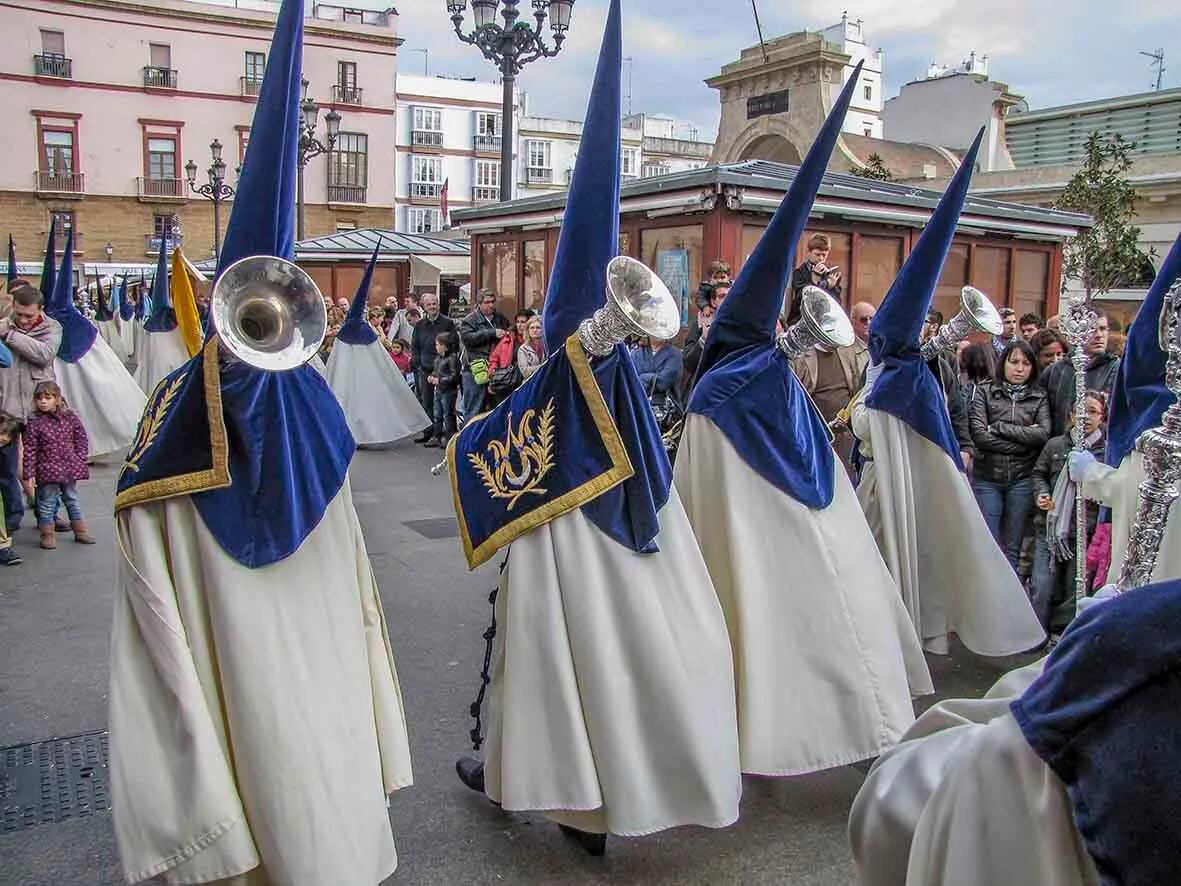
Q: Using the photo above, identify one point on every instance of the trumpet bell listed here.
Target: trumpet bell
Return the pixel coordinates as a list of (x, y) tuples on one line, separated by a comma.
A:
[(825, 319), (979, 311), (644, 301), (268, 312)]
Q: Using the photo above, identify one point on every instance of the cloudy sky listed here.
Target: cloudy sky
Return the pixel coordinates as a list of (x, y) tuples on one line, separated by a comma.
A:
[(1050, 52)]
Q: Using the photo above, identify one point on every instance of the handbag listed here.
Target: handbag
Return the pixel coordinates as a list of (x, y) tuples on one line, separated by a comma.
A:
[(479, 370), (505, 380)]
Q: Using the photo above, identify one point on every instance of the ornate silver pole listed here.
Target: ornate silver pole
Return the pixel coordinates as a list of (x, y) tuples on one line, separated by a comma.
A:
[(1077, 323), (1161, 449)]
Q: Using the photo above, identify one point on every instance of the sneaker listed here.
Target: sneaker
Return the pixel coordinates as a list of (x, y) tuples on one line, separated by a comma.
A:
[(432, 443), (9, 557), (424, 436)]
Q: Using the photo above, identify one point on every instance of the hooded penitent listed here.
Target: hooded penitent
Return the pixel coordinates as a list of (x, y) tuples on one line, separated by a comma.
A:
[(356, 329), (906, 388), (78, 333), (12, 274), (49, 268), (102, 307)]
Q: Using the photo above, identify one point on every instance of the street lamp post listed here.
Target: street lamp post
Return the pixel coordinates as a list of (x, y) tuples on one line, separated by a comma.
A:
[(511, 46), (310, 146), (215, 189)]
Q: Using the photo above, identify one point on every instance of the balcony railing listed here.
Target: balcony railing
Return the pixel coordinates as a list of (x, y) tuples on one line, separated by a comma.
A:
[(53, 65), (483, 194), (346, 193), (426, 190), (161, 187), (424, 138), (58, 182), (251, 85), (488, 144), (152, 243), (535, 175), (346, 95), (160, 78)]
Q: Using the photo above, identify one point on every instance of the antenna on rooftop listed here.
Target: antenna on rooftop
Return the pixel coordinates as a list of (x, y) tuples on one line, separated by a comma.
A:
[(1158, 62)]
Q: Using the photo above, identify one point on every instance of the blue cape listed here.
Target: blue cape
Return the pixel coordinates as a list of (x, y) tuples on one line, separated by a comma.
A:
[(126, 308), (1104, 716)]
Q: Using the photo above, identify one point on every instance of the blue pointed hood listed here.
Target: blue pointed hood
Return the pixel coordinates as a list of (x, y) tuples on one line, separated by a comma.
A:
[(102, 308), (747, 387), (356, 329), (907, 388), (49, 267), (12, 275), (126, 308), (163, 317), (1140, 398), (77, 332)]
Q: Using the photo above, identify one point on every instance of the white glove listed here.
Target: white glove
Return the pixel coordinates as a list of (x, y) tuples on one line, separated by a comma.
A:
[(871, 376), (1106, 592), (1079, 463)]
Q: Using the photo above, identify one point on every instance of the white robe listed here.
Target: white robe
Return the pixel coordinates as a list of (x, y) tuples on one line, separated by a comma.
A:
[(104, 395), (113, 336), (378, 404), (964, 801), (1119, 489), (823, 646), (158, 354), (612, 702), (953, 576), (255, 715)]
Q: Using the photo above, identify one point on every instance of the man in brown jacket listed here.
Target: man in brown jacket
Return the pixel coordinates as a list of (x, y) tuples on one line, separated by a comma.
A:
[(33, 339), (831, 376)]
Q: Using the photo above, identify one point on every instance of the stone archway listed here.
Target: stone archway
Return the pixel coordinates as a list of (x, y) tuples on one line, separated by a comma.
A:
[(771, 147)]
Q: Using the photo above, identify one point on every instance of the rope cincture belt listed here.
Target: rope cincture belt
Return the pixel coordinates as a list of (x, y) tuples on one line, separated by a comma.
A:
[(476, 734)]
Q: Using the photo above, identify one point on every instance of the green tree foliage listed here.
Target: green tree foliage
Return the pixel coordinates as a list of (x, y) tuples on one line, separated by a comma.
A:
[(1107, 255), (875, 168)]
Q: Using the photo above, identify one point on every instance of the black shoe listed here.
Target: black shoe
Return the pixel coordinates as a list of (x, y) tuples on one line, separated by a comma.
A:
[(594, 844), (471, 773), (433, 443), (9, 557), (424, 436)]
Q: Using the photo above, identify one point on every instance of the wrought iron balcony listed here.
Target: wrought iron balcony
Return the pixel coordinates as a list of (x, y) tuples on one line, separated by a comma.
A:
[(251, 85), (160, 78), (162, 187), (53, 65), (152, 243), (58, 182), (346, 95), (426, 138), (426, 190), (346, 193), (487, 144), (536, 175), (481, 194)]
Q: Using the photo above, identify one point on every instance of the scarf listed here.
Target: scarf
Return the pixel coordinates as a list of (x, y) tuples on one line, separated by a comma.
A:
[(1015, 392), (1059, 519)]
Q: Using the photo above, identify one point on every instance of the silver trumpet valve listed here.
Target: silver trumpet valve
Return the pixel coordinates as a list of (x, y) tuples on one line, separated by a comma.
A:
[(638, 303), (976, 314), (822, 321)]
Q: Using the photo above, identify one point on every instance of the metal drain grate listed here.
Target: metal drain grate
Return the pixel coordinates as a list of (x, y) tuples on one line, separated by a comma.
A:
[(438, 527), (53, 781)]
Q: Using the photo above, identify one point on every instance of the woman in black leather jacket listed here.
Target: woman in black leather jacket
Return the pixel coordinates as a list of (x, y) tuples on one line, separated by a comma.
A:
[(1010, 423)]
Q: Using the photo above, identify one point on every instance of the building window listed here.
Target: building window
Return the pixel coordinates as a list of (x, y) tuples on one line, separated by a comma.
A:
[(159, 71), (651, 170), (345, 90), (348, 168), (423, 221), (426, 127), (256, 63), (868, 130), (63, 222), (868, 93), (57, 151), (165, 234), (57, 154), (487, 132), (160, 55), (630, 165), (539, 169), (487, 186), (161, 158), (426, 177), (53, 42), (52, 61), (243, 141), (161, 164)]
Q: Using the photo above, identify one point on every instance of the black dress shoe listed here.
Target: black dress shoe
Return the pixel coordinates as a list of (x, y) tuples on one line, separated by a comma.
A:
[(471, 773), (424, 436), (594, 844), (433, 443)]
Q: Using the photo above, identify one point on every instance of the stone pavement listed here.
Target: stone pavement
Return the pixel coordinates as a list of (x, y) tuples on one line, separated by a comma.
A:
[(54, 624)]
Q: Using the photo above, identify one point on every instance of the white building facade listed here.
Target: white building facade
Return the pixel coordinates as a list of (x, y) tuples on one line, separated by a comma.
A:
[(865, 107)]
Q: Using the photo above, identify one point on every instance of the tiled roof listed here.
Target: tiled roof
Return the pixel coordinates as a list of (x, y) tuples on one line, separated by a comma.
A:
[(904, 159)]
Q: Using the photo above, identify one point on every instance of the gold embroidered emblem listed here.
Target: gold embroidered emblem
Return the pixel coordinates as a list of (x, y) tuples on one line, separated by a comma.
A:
[(521, 460), (150, 424)]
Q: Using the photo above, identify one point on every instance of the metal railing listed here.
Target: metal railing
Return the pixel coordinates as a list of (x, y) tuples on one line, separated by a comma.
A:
[(251, 85), (152, 243), (489, 144), (346, 193), (426, 190), (59, 182), (426, 138), (346, 95), (53, 65), (482, 194), (161, 187), (535, 175), (161, 78)]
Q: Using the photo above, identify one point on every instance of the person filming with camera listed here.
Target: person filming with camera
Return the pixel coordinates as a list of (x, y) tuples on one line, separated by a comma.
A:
[(815, 271)]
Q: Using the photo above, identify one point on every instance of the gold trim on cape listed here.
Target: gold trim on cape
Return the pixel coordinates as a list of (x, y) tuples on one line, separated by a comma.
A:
[(620, 470), (216, 477)]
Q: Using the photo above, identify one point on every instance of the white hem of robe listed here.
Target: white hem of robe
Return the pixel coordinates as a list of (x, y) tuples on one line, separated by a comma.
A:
[(255, 715), (822, 643), (612, 696), (104, 395), (964, 801), (952, 575), (378, 404), (158, 353)]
